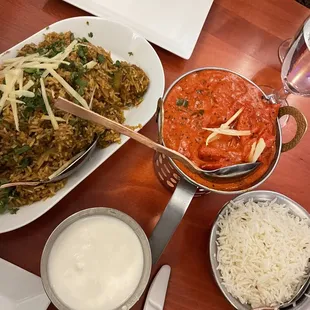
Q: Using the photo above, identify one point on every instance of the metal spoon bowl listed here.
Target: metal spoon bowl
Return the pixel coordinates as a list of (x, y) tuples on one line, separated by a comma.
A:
[(294, 299), (69, 170), (299, 293)]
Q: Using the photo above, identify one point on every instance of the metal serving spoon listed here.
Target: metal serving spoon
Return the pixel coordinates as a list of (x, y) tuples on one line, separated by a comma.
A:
[(226, 172), (77, 162), (296, 297)]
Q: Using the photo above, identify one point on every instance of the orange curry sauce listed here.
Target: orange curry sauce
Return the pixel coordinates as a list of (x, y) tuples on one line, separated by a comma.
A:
[(208, 98)]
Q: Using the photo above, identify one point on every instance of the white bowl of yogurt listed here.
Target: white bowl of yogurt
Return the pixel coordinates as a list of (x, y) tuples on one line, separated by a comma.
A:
[(97, 258)]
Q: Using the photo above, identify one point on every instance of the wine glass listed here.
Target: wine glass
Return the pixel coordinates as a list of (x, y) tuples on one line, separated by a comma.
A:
[(295, 71), (294, 55)]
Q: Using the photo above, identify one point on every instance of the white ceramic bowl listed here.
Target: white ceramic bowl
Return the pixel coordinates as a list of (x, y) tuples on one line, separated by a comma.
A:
[(120, 40)]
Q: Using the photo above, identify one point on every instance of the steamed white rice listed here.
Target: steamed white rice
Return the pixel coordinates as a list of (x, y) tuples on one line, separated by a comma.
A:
[(263, 252)]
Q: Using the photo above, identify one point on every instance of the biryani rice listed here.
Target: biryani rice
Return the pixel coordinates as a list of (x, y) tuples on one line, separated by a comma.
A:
[(38, 150)]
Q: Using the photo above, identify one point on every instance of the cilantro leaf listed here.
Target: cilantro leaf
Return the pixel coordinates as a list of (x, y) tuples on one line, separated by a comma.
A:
[(182, 102), (117, 63), (21, 150), (100, 58)]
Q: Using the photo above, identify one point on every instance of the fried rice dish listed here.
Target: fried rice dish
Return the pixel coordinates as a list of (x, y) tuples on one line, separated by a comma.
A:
[(36, 139)]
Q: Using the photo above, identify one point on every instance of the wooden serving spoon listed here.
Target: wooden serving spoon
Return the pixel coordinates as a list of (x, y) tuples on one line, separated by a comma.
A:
[(225, 172)]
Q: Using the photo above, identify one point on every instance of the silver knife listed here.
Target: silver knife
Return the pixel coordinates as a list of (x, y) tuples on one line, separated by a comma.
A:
[(156, 296)]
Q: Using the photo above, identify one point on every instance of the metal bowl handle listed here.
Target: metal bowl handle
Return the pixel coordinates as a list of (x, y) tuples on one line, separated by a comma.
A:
[(171, 218), (301, 123)]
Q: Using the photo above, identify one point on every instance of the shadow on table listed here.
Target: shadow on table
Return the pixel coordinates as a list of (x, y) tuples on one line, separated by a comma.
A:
[(268, 77)]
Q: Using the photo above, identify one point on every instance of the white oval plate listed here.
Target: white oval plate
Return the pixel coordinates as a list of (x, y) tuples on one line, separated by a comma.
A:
[(120, 40)]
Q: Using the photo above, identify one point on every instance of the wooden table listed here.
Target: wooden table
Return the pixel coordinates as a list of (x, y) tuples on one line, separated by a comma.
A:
[(242, 35)]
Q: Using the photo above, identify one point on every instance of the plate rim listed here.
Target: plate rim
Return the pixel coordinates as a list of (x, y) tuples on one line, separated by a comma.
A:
[(182, 52)]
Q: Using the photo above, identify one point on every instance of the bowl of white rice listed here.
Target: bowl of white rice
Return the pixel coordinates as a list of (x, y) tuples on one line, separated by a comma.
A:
[(260, 250)]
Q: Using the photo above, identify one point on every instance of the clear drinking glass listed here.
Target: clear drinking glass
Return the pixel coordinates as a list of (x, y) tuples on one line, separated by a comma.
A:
[(295, 72), (294, 55)]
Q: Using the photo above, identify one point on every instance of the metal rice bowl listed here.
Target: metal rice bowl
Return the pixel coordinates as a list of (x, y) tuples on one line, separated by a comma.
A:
[(261, 195)]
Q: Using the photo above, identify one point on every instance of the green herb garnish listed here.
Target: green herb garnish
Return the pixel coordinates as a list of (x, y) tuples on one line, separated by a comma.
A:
[(182, 103), (21, 150), (81, 83), (117, 63), (6, 195), (87, 23), (100, 58), (47, 28), (77, 74), (35, 72), (82, 52), (13, 210), (90, 34), (30, 70), (53, 49), (130, 53), (25, 162), (32, 104)]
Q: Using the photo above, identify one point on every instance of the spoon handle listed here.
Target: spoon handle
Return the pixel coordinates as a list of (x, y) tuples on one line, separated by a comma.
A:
[(7, 185), (266, 308), (72, 108)]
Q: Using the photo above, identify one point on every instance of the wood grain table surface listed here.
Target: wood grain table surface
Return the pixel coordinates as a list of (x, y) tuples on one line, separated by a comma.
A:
[(241, 35)]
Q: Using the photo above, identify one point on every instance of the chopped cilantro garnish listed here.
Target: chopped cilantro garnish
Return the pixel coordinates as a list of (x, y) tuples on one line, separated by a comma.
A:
[(47, 28), (100, 58), (81, 83), (21, 150), (182, 102), (90, 34), (25, 162), (5, 198), (13, 210), (77, 74), (36, 73), (82, 52), (117, 63), (87, 23), (30, 70), (32, 104), (130, 53)]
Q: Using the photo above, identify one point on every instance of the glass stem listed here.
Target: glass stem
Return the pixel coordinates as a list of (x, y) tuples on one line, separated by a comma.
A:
[(279, 96), (282, 93)]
